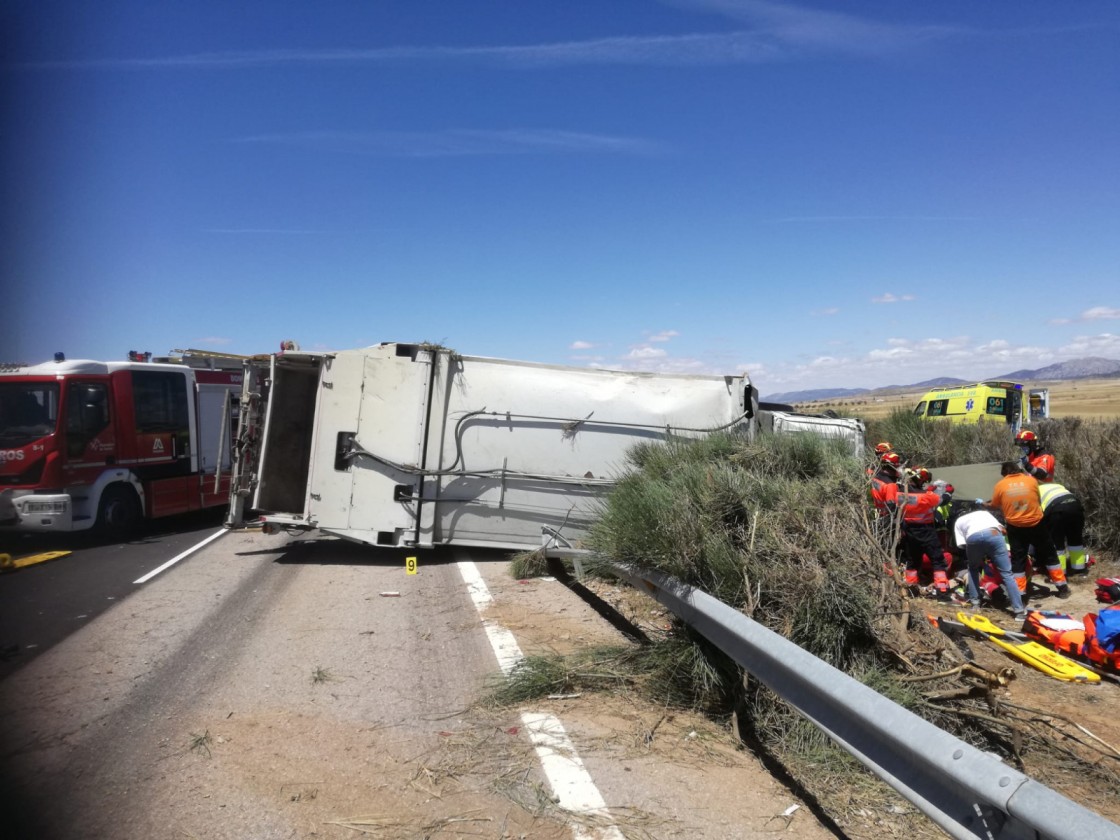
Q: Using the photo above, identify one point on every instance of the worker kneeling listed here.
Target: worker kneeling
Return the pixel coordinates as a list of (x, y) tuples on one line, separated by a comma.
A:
[(919, 531), (981, 536)]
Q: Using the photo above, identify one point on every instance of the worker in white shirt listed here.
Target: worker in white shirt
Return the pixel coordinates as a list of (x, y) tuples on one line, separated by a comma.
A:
[(981, 536)]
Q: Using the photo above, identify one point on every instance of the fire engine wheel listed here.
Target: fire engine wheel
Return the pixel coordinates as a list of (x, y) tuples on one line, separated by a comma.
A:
[(119, 511)]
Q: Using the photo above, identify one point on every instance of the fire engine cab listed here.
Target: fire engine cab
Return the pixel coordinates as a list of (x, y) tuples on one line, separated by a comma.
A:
[(87, 444)]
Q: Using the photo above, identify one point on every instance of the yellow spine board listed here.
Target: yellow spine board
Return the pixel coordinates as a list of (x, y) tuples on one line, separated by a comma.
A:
[(1048, 661), (981, 623)]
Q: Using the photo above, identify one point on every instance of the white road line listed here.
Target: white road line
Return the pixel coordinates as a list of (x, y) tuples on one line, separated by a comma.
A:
[(572, 785), (570, 781), (179, 557), (501, 640)]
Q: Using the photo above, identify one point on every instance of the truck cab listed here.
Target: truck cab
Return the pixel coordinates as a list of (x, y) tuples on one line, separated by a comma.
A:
[(85, 443)]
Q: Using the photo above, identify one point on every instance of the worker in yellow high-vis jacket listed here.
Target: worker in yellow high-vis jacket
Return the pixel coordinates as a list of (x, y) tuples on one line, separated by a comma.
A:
[(1064, 516)]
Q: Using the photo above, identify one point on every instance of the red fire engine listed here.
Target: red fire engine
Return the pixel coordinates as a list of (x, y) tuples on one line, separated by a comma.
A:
[(103, 444)]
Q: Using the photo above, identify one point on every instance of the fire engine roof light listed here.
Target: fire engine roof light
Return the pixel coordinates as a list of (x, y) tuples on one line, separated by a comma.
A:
[(60, 356)]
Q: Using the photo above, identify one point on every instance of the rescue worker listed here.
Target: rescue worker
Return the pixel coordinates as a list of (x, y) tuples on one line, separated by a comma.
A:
[(1017, 496), (881, 449), (1035, 462), (1064, 517), (884, 496), (944, 516), (919, 533), (884, 484), (981, 537)]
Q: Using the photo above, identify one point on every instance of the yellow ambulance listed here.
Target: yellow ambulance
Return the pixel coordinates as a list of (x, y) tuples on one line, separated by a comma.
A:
[(993, 400)]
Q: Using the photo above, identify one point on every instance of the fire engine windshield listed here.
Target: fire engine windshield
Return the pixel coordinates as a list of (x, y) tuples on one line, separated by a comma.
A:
[(28, 411)]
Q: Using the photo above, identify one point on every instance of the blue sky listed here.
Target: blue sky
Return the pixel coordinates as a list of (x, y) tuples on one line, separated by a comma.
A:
[(849, 198)]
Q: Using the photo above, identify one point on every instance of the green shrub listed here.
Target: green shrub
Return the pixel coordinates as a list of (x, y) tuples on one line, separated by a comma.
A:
[(936, 443), (1087, 456), (774, 527)]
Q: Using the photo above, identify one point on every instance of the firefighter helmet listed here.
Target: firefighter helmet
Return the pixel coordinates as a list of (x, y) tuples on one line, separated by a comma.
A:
[(883, 448), (920, 475), (891, 459), (1026, 438)]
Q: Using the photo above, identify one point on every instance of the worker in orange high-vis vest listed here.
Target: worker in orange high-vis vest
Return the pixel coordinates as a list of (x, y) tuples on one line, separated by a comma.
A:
[(919, 532), (1035, 462), (1017, 496)]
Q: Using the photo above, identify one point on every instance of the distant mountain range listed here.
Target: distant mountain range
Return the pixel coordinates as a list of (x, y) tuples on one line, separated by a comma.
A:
[(1089, 367)]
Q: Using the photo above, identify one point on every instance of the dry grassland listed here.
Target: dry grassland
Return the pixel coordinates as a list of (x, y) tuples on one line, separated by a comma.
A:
[(1093, 399)]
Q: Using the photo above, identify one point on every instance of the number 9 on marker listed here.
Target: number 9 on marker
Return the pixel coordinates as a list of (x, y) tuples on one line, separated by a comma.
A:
[(410, 565)]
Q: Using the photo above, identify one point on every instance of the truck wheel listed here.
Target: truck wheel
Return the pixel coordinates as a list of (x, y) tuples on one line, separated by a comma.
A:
[(119, 512)]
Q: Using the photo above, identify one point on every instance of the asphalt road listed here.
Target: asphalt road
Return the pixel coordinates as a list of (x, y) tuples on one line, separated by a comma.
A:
[(42, 604), (271, 687)]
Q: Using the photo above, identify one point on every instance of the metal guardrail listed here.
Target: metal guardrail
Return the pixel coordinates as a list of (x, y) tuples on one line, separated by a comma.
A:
[(967, 792)]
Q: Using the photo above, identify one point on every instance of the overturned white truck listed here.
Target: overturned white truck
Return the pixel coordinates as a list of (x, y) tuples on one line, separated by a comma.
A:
[(413, 445)]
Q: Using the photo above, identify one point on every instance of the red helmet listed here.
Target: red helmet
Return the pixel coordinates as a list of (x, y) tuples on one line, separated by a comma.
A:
[(1026, 438), (883, 448), (921, 475), (891, 459)]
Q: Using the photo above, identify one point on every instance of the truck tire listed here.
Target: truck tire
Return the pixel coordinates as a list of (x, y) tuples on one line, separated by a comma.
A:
[(118, 513)]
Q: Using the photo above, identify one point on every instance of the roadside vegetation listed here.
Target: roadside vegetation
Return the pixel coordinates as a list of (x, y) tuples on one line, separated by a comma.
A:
[(780, 528)]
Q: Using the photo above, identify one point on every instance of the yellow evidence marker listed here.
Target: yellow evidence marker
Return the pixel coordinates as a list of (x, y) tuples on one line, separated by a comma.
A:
[(410, 565)]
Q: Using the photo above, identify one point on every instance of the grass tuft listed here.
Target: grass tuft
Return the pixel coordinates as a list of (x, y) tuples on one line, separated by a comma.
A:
[(201, 743)]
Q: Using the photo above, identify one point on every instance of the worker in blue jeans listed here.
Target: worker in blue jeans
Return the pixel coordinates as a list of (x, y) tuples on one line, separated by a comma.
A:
[(981, 535)]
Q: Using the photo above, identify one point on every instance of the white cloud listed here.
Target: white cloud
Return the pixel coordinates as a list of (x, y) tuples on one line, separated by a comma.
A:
[(891, 298), (893, 353), (717, 48), (1105, 344), (830, 310), (1100, 313), (457, 142), (900, 361), (580, 345), (664, 335), (803, 28), (646, 352), (777, 32)]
